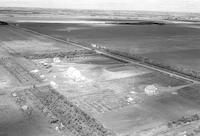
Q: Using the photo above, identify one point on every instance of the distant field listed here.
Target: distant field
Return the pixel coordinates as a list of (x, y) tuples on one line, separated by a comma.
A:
[(172, 44), (19, 41)]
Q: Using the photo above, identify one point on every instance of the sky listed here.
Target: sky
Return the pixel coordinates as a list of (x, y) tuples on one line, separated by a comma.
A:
[(151, 5)]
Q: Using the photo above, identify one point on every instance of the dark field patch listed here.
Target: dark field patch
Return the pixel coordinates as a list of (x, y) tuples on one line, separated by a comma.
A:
[(159, 78), (188, 59), (157, 42), (192, 93)]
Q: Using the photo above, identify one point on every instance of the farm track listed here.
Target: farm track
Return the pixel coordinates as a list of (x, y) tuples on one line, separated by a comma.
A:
[(71, 54)]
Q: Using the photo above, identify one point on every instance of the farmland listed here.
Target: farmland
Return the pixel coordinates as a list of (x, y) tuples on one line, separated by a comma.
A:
[(114, 92), (161, 43), (22, 112), (50, 87)]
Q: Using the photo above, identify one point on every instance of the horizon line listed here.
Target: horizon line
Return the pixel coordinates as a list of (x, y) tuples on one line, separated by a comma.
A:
[(100, 9)]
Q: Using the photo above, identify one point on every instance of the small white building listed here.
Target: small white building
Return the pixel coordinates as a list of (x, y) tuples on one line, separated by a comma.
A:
[(151, 90)]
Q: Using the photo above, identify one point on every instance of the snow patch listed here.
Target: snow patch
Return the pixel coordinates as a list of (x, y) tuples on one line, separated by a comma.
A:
[(74, 74), (53, 85), (34, 71), (56, 60)]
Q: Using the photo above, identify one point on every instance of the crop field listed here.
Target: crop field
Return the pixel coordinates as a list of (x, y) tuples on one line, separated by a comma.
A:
[(161, 43), (115, 92), (49, 87)]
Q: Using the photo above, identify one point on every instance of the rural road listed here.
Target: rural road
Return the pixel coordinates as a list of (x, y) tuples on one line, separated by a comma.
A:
[(114, 56)]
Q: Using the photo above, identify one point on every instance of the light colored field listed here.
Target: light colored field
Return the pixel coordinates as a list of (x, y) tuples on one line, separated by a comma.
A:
[(100, 82), (95, 70), (17, 122)]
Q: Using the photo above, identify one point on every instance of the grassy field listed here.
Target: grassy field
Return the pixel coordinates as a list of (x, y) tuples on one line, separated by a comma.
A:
[(161, 43)]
